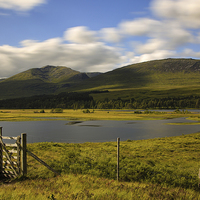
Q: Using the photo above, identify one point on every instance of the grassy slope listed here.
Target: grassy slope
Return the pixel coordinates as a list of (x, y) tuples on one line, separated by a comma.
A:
[(38, 81), (48, 74), (161, 78), (21, 88), (160, 168)]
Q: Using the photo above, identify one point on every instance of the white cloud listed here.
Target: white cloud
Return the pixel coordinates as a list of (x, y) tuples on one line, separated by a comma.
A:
[(20, 5), (173, 34), (81, 49), (139, 27), (80, 34), (164, 34), (156, 55), (111, 35), (82, 57), (190, 53), (151, 46), (184, 11)]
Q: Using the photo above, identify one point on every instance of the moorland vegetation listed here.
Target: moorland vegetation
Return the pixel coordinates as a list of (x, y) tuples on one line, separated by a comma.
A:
[(168, 78), (160, 168)]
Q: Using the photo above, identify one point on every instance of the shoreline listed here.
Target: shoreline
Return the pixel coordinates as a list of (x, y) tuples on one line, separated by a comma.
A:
[(80, 115)]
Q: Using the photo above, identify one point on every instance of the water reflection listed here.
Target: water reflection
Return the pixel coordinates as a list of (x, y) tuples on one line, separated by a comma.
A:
[(97, 131)]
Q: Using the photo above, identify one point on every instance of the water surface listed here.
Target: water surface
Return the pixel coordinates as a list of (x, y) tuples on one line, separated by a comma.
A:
[(97, 131)]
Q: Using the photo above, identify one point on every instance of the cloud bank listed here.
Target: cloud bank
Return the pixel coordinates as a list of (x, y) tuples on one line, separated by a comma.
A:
[(173, 27), (20, 5), (93, 56)]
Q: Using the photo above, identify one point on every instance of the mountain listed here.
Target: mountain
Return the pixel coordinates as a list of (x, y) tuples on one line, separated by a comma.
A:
[(164, 72), (48, 73), (158, 78), (37, 81)]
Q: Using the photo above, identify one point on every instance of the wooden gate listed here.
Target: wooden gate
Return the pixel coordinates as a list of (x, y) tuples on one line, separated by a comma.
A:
[(13, 162)]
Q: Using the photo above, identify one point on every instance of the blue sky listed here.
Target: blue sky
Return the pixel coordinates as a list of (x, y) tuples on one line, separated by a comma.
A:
[(95, 35)]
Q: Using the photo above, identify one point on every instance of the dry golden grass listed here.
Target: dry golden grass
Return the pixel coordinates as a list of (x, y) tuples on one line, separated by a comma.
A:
[(69, 114)]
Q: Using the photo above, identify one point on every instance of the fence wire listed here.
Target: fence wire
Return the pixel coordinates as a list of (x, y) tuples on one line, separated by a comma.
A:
[(109, 170)]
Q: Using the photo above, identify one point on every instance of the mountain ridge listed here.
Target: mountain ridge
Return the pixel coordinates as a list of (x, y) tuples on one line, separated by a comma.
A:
[(165, 74)]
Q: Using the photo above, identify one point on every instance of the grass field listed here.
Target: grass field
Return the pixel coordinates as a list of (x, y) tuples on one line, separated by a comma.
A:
[(161, 168), (34, 114)]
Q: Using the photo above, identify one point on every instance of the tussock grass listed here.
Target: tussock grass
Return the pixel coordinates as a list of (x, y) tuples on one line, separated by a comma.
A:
[(88, 187), (160, 168), (69, 114)]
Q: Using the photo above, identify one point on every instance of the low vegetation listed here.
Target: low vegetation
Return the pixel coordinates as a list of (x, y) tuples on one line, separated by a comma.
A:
[(160, 168), (91, 114), (56, 110), (155, 79)]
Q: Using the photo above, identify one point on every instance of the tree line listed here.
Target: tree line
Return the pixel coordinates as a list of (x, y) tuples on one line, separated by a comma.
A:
[(76, 100), (151, 103)]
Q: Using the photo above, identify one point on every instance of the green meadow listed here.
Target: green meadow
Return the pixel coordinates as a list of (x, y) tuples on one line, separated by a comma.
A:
[(89, 114), (160, 168)]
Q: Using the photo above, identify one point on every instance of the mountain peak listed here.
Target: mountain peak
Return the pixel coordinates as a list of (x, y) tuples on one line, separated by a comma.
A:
[(48, 67), (47, 73), (166, 73)]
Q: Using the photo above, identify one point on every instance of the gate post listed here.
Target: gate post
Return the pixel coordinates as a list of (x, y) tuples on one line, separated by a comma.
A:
[(23, 155), (118, 143), (19, 154), (1, 154)]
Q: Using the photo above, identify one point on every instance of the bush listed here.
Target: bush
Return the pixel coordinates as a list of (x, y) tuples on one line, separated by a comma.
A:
[(137, 112), (148, 112), (57, 110), (42, 111), (86, 111)]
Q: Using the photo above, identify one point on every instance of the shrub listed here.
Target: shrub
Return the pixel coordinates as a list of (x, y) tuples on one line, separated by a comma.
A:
[(137, 112), (56, 110), (86, 111)]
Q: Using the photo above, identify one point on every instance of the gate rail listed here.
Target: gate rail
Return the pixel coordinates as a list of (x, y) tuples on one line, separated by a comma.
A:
[(13, 161)]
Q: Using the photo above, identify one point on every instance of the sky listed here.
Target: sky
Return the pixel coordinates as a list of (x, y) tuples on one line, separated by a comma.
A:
[(95, 35)]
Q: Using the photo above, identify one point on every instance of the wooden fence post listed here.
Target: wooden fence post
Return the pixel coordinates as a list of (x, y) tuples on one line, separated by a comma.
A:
[(23, 155), (1, 154), (118, 143), (199, 178), (18, 153)]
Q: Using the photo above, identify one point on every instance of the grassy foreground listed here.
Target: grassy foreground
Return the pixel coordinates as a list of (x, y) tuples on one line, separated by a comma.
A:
[(161, 168), (69, 114)]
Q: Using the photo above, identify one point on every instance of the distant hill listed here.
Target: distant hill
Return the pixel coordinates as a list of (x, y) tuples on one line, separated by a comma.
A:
[(159, 78), (51, 74), (37, 81)]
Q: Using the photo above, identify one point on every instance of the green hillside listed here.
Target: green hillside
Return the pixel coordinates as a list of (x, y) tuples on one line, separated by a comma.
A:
[(48, 74), (159, 78), (38, 81)]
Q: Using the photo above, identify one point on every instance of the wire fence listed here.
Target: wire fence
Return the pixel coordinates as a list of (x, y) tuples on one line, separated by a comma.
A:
[(115, 164)]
